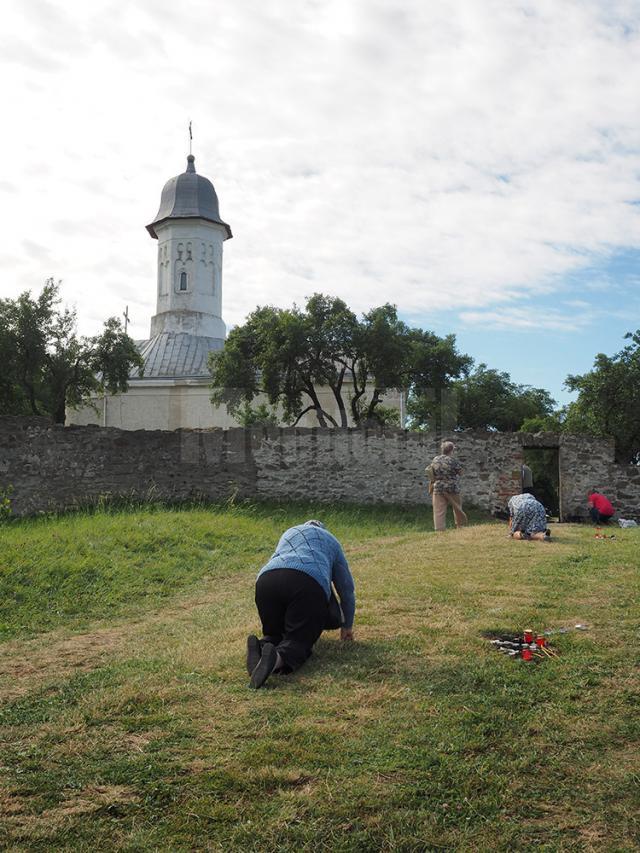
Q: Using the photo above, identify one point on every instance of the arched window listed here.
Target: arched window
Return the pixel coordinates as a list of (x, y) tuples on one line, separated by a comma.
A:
[(183, 280)]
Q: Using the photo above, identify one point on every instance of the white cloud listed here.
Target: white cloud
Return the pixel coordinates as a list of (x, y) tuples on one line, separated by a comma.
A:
[(435, 154), (534, 316)]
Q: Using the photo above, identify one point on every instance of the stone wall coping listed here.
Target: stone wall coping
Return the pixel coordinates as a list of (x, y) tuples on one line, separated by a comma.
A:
[(525, 439)]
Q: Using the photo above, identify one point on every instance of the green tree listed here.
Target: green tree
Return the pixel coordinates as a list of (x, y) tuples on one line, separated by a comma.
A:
[(261, 415), (436, 364), (278, 353), (47, 367), (379, 358), (554, 422), (608, 401), (287, 354), (488, 399)]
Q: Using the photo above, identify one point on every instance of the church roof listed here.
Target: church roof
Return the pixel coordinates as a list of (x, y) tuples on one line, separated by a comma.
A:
[(188, 196), (172, 355)]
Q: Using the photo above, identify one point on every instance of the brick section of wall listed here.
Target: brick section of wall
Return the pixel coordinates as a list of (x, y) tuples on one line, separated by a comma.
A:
[(52, 467)]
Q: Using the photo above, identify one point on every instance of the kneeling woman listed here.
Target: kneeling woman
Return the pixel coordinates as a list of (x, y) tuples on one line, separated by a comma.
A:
[(292, 596), (527, 518)]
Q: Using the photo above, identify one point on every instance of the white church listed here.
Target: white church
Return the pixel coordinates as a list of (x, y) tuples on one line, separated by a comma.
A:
[(174, 391)]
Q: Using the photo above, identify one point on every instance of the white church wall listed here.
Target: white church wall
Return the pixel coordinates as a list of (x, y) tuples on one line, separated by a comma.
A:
[(170, 405), (163, 404)]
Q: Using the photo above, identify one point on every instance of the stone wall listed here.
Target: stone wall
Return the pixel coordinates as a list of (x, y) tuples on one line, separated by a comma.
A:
[(52, 467)]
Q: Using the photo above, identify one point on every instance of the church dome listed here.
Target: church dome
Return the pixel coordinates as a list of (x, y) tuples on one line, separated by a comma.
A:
[(171, 355), (188, 196)]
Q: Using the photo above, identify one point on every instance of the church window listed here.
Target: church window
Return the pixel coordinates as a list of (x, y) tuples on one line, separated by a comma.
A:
[(183, 280)]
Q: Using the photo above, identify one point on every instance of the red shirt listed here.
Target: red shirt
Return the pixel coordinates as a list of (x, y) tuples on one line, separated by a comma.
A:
[(603, 506)]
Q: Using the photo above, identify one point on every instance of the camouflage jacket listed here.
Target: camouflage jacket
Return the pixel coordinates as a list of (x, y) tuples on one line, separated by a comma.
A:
[(444, 473)]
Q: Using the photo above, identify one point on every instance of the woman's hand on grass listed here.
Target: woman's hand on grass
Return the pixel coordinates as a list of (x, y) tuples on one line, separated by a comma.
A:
[(346, 634)]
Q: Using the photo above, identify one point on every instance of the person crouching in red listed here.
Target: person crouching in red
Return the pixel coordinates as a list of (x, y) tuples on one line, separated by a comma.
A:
[(600, 509)]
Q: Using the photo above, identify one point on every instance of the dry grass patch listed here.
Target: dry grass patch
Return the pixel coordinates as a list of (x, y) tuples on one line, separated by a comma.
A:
[(35, 826)]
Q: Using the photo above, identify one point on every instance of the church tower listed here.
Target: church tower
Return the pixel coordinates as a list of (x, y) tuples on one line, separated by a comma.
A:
[(190, 235), (173, 391), (188, 321)]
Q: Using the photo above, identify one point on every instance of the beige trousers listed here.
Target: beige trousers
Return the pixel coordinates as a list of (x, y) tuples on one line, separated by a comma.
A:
[(440, 503)]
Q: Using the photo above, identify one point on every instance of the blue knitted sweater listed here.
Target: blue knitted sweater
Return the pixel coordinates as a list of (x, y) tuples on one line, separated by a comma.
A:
[(317, 552)]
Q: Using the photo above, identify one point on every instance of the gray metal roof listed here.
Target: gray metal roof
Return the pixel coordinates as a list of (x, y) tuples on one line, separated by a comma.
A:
[(188, 196), (176, 354)]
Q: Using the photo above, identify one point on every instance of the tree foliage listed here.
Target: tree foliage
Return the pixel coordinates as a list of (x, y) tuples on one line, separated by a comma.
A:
[(47, 367), (608, 401), (256, 416), (489, 399), (553, 422), (480, 399), (288, 354)]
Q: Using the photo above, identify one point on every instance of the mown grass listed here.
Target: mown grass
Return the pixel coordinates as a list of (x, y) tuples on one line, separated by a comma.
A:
[(416, 737), (76, 568)]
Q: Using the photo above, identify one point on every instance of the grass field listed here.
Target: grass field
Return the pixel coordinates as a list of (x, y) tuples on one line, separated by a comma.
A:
[(126, 722)]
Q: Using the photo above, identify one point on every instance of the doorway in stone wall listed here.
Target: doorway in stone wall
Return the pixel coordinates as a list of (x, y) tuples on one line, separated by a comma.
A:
[(545, 467)]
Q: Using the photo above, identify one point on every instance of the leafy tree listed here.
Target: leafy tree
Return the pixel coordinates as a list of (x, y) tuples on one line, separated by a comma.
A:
[(480, 399), (278, 353), (47, 367), (554, 422), (608, 401), (287, 354), (262, 415), (488, 399), (386, 416), (436, 363)]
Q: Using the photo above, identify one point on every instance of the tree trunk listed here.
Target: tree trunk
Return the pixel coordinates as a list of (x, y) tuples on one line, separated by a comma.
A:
[(359, 392), (320, 413), (337, 393), (374, 402), (31, 394), (60, 413), (303, 412)]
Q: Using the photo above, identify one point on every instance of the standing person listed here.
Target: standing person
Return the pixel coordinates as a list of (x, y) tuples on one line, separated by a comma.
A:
[(600, 508), (444, 487), (292, 596), (526, 476), (527, 518)]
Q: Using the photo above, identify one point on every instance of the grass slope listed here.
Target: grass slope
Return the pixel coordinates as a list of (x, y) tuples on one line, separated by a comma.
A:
[(139, 732)]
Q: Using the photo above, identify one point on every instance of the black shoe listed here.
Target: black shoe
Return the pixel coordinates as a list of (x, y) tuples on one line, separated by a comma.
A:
[(547, 534), (265, 666), (254, 651)]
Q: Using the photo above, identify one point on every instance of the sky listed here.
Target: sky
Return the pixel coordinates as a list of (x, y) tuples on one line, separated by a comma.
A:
[(475, 162)]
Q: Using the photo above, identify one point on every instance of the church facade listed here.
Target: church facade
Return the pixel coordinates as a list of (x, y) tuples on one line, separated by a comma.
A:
[(174, 391)]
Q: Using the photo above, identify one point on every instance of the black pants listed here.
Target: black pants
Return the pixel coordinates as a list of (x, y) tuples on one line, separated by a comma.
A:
[(293, 611), (597, 517)]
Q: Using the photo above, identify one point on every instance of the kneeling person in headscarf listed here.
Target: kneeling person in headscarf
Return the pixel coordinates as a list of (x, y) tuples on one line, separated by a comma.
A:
[(292, 597), (527, 518)]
